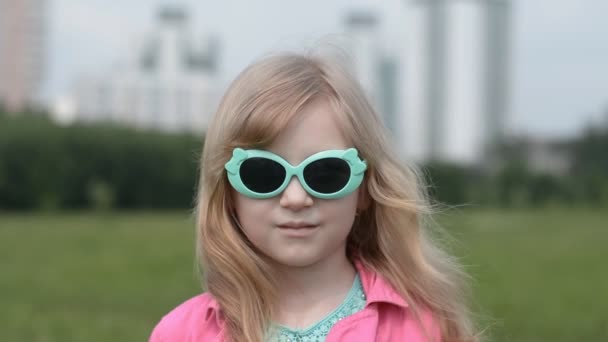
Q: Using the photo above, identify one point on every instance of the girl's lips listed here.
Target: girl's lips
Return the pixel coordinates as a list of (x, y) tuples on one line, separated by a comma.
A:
[(299, 231), (297, 225)]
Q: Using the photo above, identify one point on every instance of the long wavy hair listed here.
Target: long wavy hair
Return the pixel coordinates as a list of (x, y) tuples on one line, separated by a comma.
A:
[(390, 237)]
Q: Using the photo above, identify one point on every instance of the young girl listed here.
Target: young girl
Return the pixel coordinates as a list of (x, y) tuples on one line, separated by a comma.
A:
[(308, 227)]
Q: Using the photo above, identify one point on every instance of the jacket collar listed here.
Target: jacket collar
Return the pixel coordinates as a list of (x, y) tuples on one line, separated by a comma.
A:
[(377, 289)]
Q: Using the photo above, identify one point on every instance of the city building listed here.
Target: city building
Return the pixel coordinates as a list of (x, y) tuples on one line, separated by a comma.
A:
[(22, 52), (375, 66), (456, 83), (169, 83), (364, 50)]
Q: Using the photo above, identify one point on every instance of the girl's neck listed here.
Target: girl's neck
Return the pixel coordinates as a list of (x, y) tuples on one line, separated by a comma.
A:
[(307, 294)]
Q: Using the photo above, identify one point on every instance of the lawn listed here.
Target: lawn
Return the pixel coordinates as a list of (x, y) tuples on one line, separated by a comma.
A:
[(539, 275)]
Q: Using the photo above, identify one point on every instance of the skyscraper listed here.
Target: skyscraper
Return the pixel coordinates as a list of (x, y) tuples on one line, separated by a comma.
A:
[(22, 52), (497, 69), (364, 49), (457, 78), (169, 82), (375, 66)]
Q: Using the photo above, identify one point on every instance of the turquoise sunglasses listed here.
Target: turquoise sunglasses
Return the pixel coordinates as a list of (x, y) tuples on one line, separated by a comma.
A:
[(327, 174)]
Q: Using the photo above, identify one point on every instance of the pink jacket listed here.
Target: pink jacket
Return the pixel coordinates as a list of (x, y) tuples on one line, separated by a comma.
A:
[(385, 318)]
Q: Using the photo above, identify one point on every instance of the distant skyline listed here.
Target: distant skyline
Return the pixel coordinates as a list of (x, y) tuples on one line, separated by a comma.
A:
[(559, 80)]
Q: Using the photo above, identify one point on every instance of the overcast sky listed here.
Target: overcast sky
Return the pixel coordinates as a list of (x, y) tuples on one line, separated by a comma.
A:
[(560, 47)]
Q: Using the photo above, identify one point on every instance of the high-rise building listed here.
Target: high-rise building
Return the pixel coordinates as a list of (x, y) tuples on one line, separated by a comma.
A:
[(365, 51), (388, 95), (376, 67), (169, 81), (22, 52), (496, 71), (457, 78)]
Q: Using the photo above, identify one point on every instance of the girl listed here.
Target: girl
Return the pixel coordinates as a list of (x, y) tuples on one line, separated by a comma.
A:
[(308, 227)]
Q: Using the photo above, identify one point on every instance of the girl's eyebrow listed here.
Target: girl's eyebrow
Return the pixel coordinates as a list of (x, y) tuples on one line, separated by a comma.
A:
[(273, 152), (287, 160)]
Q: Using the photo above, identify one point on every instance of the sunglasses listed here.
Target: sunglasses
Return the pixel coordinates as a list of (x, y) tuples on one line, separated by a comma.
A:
[(328, 174)]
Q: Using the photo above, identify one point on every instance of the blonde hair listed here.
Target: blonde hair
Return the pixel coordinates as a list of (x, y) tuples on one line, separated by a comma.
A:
[(388, 237)]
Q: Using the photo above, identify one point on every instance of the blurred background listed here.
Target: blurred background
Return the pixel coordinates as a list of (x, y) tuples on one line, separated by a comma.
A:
[(104, 109)]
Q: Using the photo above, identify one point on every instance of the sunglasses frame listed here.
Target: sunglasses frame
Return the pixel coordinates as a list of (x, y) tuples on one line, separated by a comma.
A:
[(350, 156)]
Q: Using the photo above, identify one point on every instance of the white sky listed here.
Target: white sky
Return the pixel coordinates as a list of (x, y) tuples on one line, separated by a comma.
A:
[(560, 51)]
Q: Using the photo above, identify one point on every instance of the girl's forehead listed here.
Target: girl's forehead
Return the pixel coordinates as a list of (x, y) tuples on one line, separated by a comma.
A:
[(316, 128), (297, 160)]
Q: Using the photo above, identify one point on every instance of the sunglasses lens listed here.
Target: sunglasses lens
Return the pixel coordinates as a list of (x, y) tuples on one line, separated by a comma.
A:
[(327, 175), (262, 175)]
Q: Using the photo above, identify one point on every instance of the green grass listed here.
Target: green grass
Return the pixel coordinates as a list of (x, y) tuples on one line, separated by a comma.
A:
[(92, 278), (538, 275)]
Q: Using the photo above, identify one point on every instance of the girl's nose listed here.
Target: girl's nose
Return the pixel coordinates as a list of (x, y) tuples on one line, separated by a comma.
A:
[(294, 196)]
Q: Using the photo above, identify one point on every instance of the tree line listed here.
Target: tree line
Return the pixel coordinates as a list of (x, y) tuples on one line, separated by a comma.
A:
[(101, 166), (510, 179), (46, 166)]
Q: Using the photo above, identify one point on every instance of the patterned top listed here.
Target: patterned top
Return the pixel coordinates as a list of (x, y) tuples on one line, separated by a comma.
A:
[(200, 318), (354, 302)]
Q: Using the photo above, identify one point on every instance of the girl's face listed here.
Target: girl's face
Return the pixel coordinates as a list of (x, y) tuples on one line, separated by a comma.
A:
[(274, 225)]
